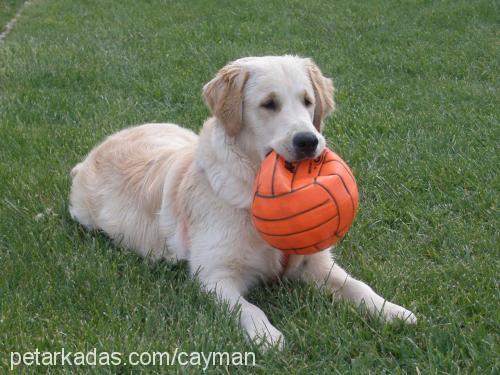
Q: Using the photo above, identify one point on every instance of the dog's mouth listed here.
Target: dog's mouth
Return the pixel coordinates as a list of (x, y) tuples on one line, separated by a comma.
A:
[(267, 151), (292, 156)]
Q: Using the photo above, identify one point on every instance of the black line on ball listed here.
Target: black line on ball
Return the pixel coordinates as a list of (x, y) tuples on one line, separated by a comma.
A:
[(297, 214), (282, 194), (301, 231), (274, 171), (314, 244), (345, 187)]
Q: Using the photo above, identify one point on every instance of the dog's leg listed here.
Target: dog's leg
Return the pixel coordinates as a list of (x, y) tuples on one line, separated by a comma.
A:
[(321, 269), (252, 319)]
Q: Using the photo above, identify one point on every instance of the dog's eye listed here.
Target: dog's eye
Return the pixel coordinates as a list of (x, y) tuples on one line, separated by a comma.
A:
[(270, 105), (307, 102)]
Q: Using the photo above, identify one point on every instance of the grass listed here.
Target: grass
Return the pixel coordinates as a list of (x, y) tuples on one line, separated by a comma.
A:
[(8, 9), (417, 120)]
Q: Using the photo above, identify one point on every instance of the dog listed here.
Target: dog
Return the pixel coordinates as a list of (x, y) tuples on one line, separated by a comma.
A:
[(168, 193)]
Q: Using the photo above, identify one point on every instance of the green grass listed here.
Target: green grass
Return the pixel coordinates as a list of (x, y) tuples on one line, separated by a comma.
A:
[(417, 120), (8, 9)]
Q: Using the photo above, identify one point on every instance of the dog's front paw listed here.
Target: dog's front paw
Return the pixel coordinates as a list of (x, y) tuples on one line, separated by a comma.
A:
[(266, 337), (391, 312)]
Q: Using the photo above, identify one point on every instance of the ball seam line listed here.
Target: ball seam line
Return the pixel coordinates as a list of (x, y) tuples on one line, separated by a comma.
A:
[(334, 200), (274, 172), (295, 249), (297, 214), (302, 231), (345, 187), (282, 194)]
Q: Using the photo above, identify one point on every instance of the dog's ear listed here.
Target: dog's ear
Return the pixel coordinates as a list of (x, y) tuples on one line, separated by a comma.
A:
[(224, 96), (323, 93)]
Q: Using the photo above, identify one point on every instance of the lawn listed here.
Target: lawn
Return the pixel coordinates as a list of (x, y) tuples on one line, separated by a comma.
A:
[(8, 9), (417, 120)]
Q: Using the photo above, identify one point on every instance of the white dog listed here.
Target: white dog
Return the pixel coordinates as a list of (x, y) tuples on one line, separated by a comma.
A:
[(167, 193)]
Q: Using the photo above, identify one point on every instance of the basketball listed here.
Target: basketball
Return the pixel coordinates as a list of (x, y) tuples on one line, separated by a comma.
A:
[(304, 207)]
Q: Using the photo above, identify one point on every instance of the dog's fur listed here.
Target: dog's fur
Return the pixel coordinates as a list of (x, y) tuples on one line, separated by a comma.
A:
[(167, 193)]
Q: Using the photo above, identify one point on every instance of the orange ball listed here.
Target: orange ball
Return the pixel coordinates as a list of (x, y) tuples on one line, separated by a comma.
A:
[(304, 207)]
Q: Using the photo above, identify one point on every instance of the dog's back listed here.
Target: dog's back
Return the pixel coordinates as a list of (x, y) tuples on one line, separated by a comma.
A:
[(119, 186)]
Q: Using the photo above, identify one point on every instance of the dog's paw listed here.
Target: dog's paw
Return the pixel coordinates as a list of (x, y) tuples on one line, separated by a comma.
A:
[(392, 312), (267, 337)]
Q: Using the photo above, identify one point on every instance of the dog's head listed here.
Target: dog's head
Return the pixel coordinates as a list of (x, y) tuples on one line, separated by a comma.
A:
[(272, 103)]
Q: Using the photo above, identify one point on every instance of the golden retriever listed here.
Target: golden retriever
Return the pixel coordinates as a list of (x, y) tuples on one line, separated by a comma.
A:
[(168, 193)]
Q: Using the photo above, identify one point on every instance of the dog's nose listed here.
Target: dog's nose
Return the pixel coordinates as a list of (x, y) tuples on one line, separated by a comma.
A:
[(305, 143)]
